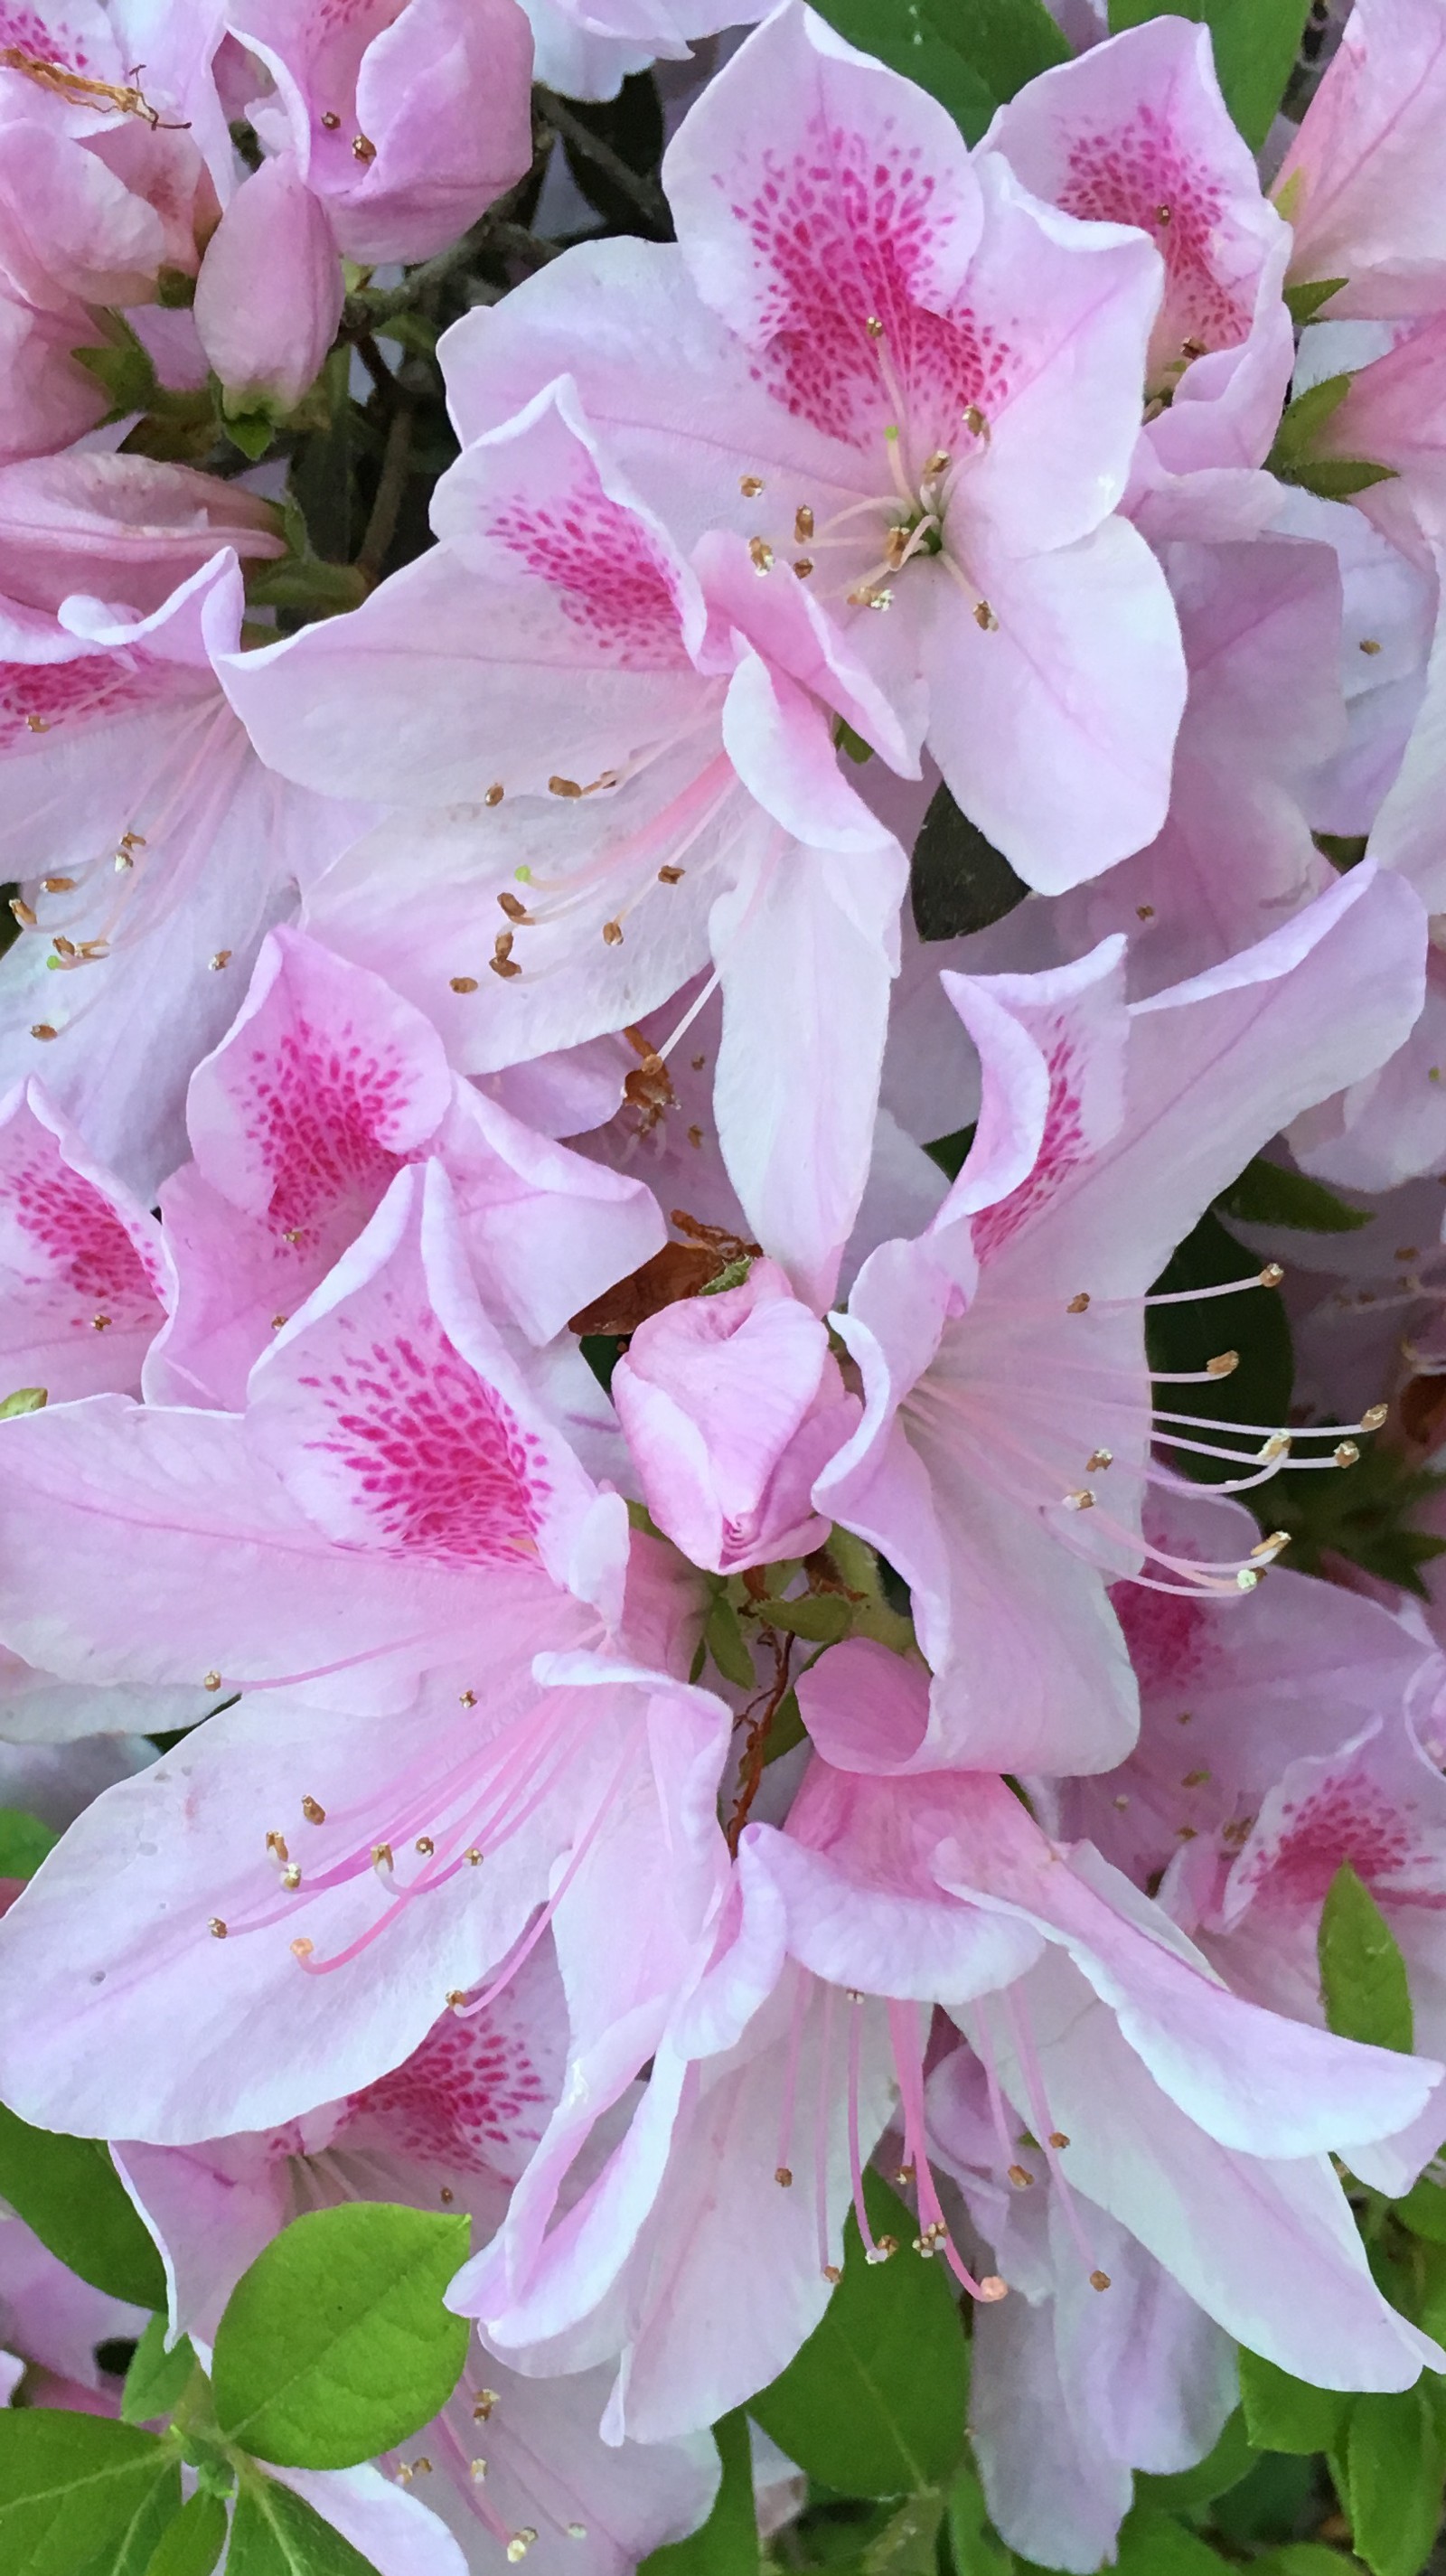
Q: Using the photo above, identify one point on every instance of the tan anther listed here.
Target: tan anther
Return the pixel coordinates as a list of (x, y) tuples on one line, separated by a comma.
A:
[(992, 2289), (210, 1681), (760, 554), (463, 983), (802, 524), (291, 1234), (1121, 1803), (402, 2474), (291, 1875), (697, 1062), (520, 2543), (446, 2195), (936, 464), (57, 885), (362, 148), (1098, 1460), (456, 1997), (1021, 2177), (483, 2403), (904, 2176), (613, 934), (495, 793), (670, 876), (477, 2471), (1164, 214), (276, 1845), (1272, 1275), (1194, 1779), (301, 1948), (468, 1698), (831, 2272), (1057, 2138), (783, 2176), (216, 1928), (62, 946), (577, 2531), (474, 1857), (1099, 2280), (425, 1845), (100, 1323), (1082, 1500), (803, 568), (506, 967), (1369, 644), (1272, 1545), (883, 2247), (985, 619), (975, 422), (1144, 912), (1374, 1416), (382, 1856), (896, 546), (276, 1322), (1345, 1453), (1277, 1445), (750, 485), (23, 913), (874, 326), (1079, 1305), (36, 724), (1224, 1364), (221, 958), (502, 946), (331, 120), (313, 1811), (515, 909), (563, 787)]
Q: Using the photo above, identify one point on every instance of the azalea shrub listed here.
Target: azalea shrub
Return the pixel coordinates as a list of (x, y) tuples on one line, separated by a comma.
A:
[(722, 1287)]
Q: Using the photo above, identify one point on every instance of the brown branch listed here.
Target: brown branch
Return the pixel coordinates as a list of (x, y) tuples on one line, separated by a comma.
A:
[(755, 1743)]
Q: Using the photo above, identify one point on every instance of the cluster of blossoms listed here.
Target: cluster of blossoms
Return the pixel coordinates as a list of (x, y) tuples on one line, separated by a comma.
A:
[(632, 1552)]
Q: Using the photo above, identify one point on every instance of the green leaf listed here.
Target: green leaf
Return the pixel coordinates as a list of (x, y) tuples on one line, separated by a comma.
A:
[(1365, 1514), (951, 1152), (130, 2551), (1232, 2459), (1362, 1973), (787, 1729), (1304, 418), (904, 34), (1300, 2558), (1254, 1325), (26, 1399), (156, 2377), (335, 2344), (821, 1617), (123, 368), (727, 1644), (1151, 2544), (1304, 302), (727, 2543), (974, 2545), (1256, 43), (24, 1842), (69, 2192), (908, 2545), (958, 881), (1395, 2462), (1268, 1194), (1285, 2414), (1007, 42), (1423, 2211), (1339, 478), (874, 2404), (276, 2533), (70, 2485), (194, 2540)]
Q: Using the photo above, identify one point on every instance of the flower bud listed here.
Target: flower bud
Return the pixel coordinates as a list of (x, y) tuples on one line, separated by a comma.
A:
[(269, 295)]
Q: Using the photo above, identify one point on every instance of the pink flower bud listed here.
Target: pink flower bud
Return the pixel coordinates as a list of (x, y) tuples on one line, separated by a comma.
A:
[(269, 295)]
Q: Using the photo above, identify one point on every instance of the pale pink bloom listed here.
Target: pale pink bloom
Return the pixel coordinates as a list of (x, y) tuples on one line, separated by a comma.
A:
[(1136, 132), (122, 529), (1363, 183), (51, 2320), (152, 849), (1392, 415), (1390, 612), (587, 48), (640, 748), (85, 1274), (919, 383), (406, 117), (39, 1711), (325, 1085), (269, 296), (1008, 1425), (733, 1404)]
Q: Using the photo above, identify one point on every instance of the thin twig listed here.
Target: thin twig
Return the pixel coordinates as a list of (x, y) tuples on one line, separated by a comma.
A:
[(649, 199), (370, 306), (392, 483)]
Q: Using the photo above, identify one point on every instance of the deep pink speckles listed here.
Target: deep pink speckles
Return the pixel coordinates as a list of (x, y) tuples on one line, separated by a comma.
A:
[(81, 1244), (315, 1104), (438, 1460), (469, 2089), (1171, 1637), (608, 576), (1349, 1818), (37, 697), (29, 34), (1062, 1148), (845, 234), (1142, 174)]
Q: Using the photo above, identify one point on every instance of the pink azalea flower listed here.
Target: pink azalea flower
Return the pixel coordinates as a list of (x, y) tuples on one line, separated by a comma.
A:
[(50, 2320), (1007, 1427), (269, 296), (732, 1405), (587, 48), (85, 1274), (121, 529), (152, 848), (406, 117), (1362, 182), (903, 380), (323, 1088), (646, 759), (1136, 132)]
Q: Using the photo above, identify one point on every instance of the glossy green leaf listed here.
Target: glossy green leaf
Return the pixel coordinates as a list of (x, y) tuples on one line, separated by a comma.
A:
[(70, 2486), (1256, 43), (958, 881), (1395, 2464), (727, 2543), (874, 2404), (193, 2542), (335, 2344), (908, 2545), (1362, 1973), (68, 2190), (903, 34), (1007, 42), (24, 1842), (1152, 2544), (130, 2551), (156, 2377), (1304, 302), (1285, 2414), (276, 2533), (1221, 2469), (1267, 1194), (1254, 1325)]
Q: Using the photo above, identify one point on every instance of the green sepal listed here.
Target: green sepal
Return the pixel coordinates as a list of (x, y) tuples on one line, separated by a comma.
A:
[(1364, 1985), (1304, 302)]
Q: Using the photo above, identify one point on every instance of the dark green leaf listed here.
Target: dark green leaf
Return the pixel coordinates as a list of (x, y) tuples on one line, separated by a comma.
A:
[(70, 2485), (602, 1352), (1253, 1324), (951, 1152), (156, 2377), (1362, 1973), (902, 33), (1268, 2504), (129, 2551), (1007, 42), (335, 2344), (24, 1842), (1268, 1194), (124, 369), (1151, 2544), (821, 1617), (787, 1729), (1256, 43), (974, 2545), (909, 2542), (1423, 2210), (1285, 2414), (1222, 2469), (1396, 2460), (1365, 1514), (632, 123), (726, 1643), (1303, 420), (727, 2543), (276, 2533), (68, 2190), (853, 743), (1339, 478), (874, 2403), (194, 2541), (958, 881), (1301, 2558)]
